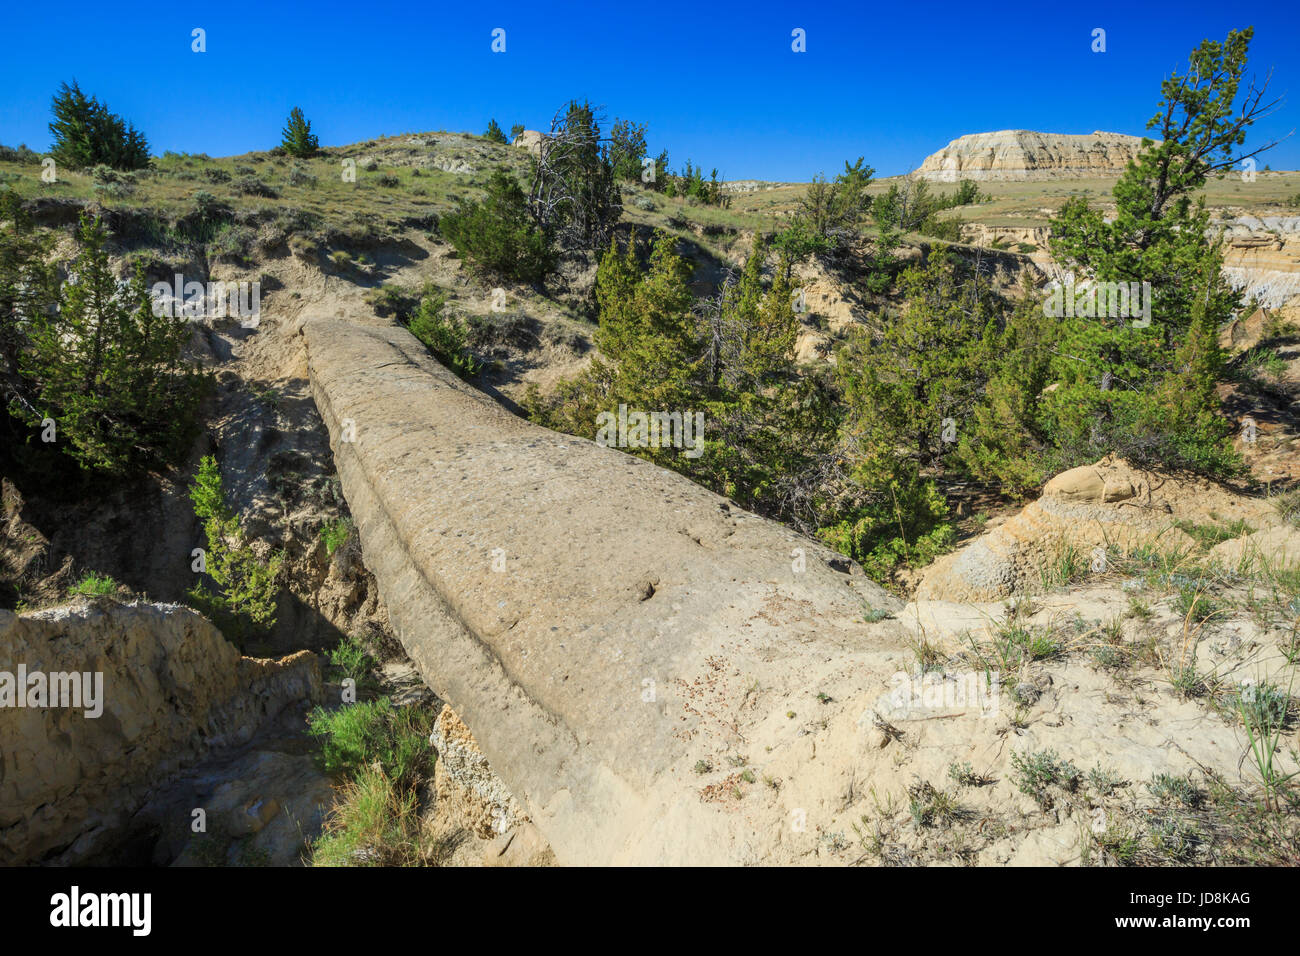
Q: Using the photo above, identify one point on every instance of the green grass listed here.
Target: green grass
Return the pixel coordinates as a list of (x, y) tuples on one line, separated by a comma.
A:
[(351, 660), (1012, 647), (1208, 535), (359, 735), (335, 533), (95, 585), (1265, 712), (931, 807), (1069, 566), (384, 756), (374, 823), (1196, 605)]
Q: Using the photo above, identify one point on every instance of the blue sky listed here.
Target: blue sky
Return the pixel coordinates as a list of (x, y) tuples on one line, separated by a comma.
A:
[(717, 83)]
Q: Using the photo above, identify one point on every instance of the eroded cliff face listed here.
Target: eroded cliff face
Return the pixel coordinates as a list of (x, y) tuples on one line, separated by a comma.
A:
[(1261, 257), (155, 688), (1024, 155)]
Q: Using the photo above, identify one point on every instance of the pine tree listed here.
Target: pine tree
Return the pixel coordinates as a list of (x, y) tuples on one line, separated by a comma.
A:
[(110, 371), (297, 138), (494, 134)]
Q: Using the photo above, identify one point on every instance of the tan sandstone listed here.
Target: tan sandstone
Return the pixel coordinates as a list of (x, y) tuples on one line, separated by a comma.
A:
[(1091, 507), (174, 689), (1024, 155)]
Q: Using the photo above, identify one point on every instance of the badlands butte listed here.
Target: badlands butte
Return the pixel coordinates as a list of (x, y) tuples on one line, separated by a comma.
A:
[(606, 662)]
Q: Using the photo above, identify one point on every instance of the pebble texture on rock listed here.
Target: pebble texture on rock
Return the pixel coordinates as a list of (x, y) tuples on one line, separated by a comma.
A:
[(635, 627)]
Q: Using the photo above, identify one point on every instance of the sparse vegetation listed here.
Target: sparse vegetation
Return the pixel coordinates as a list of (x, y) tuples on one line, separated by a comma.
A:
[(1037, 773)]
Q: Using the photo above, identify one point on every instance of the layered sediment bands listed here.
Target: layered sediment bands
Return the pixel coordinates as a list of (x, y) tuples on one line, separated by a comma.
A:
[(604, 627), (1023, 155), (1261, 257)]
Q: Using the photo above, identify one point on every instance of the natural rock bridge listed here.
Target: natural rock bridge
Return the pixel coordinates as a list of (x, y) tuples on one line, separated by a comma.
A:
[(603, 625)]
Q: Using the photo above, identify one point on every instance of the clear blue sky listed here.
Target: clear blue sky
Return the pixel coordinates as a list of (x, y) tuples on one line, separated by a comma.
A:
[(716, 82)]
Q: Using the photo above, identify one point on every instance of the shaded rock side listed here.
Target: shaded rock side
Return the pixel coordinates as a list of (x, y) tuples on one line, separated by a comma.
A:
[(467, 784), (174, 689), (604, 627)]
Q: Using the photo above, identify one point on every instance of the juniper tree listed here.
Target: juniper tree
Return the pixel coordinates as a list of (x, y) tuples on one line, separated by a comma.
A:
[(109, 370), (27, 288), (925, 367), (1115, 376), (497, 234), (87, 134), (244, 602)]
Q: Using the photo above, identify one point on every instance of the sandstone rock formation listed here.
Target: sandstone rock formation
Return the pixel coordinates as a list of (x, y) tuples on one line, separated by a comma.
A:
[(1090, 507), (603, 626), (463, 779), (1024, 155), (1261, 257), (174, 690), (531, 140)]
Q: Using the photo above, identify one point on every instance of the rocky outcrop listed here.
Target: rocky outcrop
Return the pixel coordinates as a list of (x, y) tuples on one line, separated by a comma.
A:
[(1088, 508), (531, 140), (173, 691), (1261, 258), (617, 638), (463, 780), (1024, 155), (652, 678)]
